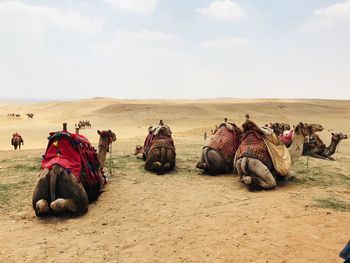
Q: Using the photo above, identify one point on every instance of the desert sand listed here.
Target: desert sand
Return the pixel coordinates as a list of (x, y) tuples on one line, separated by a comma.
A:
[(183, 216)]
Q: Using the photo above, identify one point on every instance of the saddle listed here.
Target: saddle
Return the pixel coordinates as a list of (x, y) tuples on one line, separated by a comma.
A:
[(74, 153), (225, 141), (162, 142)]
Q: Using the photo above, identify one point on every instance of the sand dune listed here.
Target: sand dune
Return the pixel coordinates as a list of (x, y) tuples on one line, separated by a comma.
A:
[(189, 119), (130, 118)]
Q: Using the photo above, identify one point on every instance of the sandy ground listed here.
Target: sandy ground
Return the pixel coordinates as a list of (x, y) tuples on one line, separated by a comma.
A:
[(183, 216)]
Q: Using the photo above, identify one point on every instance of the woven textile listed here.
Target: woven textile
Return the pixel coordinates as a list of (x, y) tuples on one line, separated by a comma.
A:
[(225, 143), (165, 142), (253, 146)]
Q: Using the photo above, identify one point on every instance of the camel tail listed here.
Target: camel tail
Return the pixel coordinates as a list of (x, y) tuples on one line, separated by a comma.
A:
[(53, 179)]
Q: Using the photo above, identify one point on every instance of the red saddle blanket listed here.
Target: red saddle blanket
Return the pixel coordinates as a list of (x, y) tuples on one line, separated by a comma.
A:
[(75, 153), (225, 143)]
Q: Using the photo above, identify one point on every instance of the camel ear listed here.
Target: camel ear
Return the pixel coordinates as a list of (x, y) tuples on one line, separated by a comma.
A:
[(99, 132)]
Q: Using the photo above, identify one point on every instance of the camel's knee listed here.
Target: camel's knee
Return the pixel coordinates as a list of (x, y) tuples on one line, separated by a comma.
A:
[(156, 165), (202, 165), (42, 208), (267, 184), (167, 166), (246, 180), (59, 206)]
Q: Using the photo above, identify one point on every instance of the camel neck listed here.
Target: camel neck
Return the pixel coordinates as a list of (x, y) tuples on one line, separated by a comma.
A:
[(296, 148), (328, 151), (102, 152)]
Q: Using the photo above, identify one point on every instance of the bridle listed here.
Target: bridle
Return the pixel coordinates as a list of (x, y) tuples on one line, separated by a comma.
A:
[(109, 138)]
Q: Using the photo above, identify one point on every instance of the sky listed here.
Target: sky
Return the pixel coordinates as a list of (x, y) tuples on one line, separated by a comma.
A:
[(174, 49)]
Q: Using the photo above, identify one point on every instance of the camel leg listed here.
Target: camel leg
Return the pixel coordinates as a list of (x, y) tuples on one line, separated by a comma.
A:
[(212, 162), (153, 161), (315, 155), (239, 168), (217, 163), (73, 197), (41, 196), (170, 160), (263, 176), (203, 165)]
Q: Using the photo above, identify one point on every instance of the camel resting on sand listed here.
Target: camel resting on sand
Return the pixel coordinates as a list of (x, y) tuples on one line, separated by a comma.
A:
[(316, 148), (159, 149), (71, 175), (218, 154), (253, 161)]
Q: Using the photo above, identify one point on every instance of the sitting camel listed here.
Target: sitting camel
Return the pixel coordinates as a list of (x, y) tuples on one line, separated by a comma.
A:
[(316, 148), (70, 184), (218, 155), (253, 161), (159, 149)]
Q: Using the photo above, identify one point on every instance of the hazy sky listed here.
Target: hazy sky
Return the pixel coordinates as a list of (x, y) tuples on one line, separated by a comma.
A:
[(174, 49)]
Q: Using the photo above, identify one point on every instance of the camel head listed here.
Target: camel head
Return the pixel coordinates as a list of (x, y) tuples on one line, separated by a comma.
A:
[(337, 137), (106, 138), (315, 128), (285, 126), (278, 128), (138, 149), (302, 129)]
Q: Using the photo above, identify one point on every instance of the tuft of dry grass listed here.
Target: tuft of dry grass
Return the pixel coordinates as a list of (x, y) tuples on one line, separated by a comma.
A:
[(334, 203)]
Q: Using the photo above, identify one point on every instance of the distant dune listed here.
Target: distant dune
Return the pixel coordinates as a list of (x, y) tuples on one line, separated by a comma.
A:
[(187, 118)]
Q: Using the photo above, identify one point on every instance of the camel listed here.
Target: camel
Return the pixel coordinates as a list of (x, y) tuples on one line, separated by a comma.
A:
[(253, 162), (17, 141), (159, 149), (30, 115), (59, 190), (319, 150), (218, 155), (106, 139)]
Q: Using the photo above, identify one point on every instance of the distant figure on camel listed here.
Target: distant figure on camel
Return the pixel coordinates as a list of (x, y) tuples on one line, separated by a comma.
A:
[(17, 140)]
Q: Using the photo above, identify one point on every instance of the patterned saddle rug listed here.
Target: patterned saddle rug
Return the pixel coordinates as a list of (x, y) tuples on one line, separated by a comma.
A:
[(225, 142), (254, 146)]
